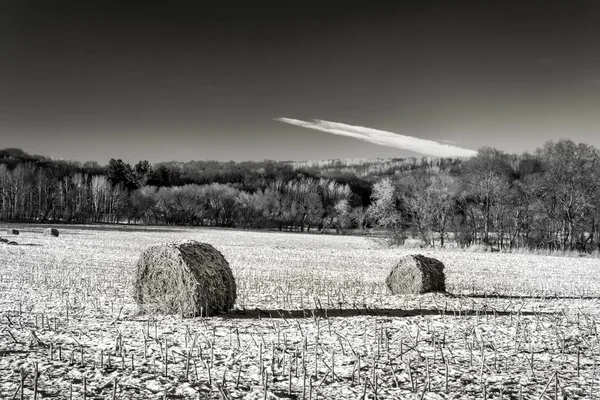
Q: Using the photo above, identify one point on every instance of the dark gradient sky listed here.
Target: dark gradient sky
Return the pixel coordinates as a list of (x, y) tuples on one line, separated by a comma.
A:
[(136, 80)]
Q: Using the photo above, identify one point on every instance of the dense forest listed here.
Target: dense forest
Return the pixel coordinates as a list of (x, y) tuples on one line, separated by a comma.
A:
[(547, 199)]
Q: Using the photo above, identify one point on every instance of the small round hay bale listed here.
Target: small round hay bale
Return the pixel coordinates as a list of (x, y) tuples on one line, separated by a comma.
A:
[(416, 274), (51, 232), (188, 278), (12, 231), (482, 248), (411, 243), (478, 248)]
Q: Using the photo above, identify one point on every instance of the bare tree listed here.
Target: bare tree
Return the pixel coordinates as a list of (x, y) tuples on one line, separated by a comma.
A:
[(487, 177), (571, 185), (385, 208)]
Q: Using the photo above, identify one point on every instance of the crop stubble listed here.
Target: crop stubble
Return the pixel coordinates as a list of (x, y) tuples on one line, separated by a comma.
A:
[(313, 319)]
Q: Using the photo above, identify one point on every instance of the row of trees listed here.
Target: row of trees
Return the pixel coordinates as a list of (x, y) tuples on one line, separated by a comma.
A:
[(122, 194), (297, 204), (549, 199)]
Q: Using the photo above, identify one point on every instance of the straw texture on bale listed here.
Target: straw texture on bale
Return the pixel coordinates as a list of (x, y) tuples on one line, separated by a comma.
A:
[(188, 278), (416, 274), (13, 232), (51, 232)]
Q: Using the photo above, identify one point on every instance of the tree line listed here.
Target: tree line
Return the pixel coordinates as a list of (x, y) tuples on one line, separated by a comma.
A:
[(546, 199), (249, 195)]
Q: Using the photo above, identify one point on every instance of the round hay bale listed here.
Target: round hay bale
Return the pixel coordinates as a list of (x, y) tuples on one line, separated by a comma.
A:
[(411, 243), (51, 232), (478, 248), (188, 278), (482, 248), (13, 232), (416, 274)]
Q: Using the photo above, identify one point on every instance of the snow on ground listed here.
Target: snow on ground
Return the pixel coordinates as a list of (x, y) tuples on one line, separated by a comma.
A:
[(313, 320)]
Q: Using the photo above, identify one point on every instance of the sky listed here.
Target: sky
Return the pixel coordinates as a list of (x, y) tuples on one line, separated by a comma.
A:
[(144, 80)]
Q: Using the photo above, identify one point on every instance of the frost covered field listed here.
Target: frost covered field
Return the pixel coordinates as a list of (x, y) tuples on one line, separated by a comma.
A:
[(313, 320)]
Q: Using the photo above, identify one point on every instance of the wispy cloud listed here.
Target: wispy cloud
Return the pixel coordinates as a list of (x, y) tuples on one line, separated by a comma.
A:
[(384, 138)]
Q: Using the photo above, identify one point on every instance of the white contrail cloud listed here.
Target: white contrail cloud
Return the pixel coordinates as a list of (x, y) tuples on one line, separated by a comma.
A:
[(383, 138)]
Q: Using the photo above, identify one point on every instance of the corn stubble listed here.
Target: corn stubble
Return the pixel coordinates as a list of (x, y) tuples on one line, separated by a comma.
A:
[(313, 319)]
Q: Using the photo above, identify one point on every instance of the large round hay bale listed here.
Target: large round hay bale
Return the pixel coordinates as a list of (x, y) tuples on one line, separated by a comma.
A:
[(12, 231), (188, 278), (51, 232), (416, 274)]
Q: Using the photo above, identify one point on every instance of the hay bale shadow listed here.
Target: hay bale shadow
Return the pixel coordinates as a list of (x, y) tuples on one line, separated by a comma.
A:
[(357, 312)]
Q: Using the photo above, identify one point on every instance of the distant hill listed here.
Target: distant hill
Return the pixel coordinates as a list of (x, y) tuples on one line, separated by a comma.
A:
[(11, 157), (374, 168), (356, 172), (16, 156)]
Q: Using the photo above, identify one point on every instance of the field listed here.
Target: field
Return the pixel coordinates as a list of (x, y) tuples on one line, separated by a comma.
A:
[(313, 320)]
